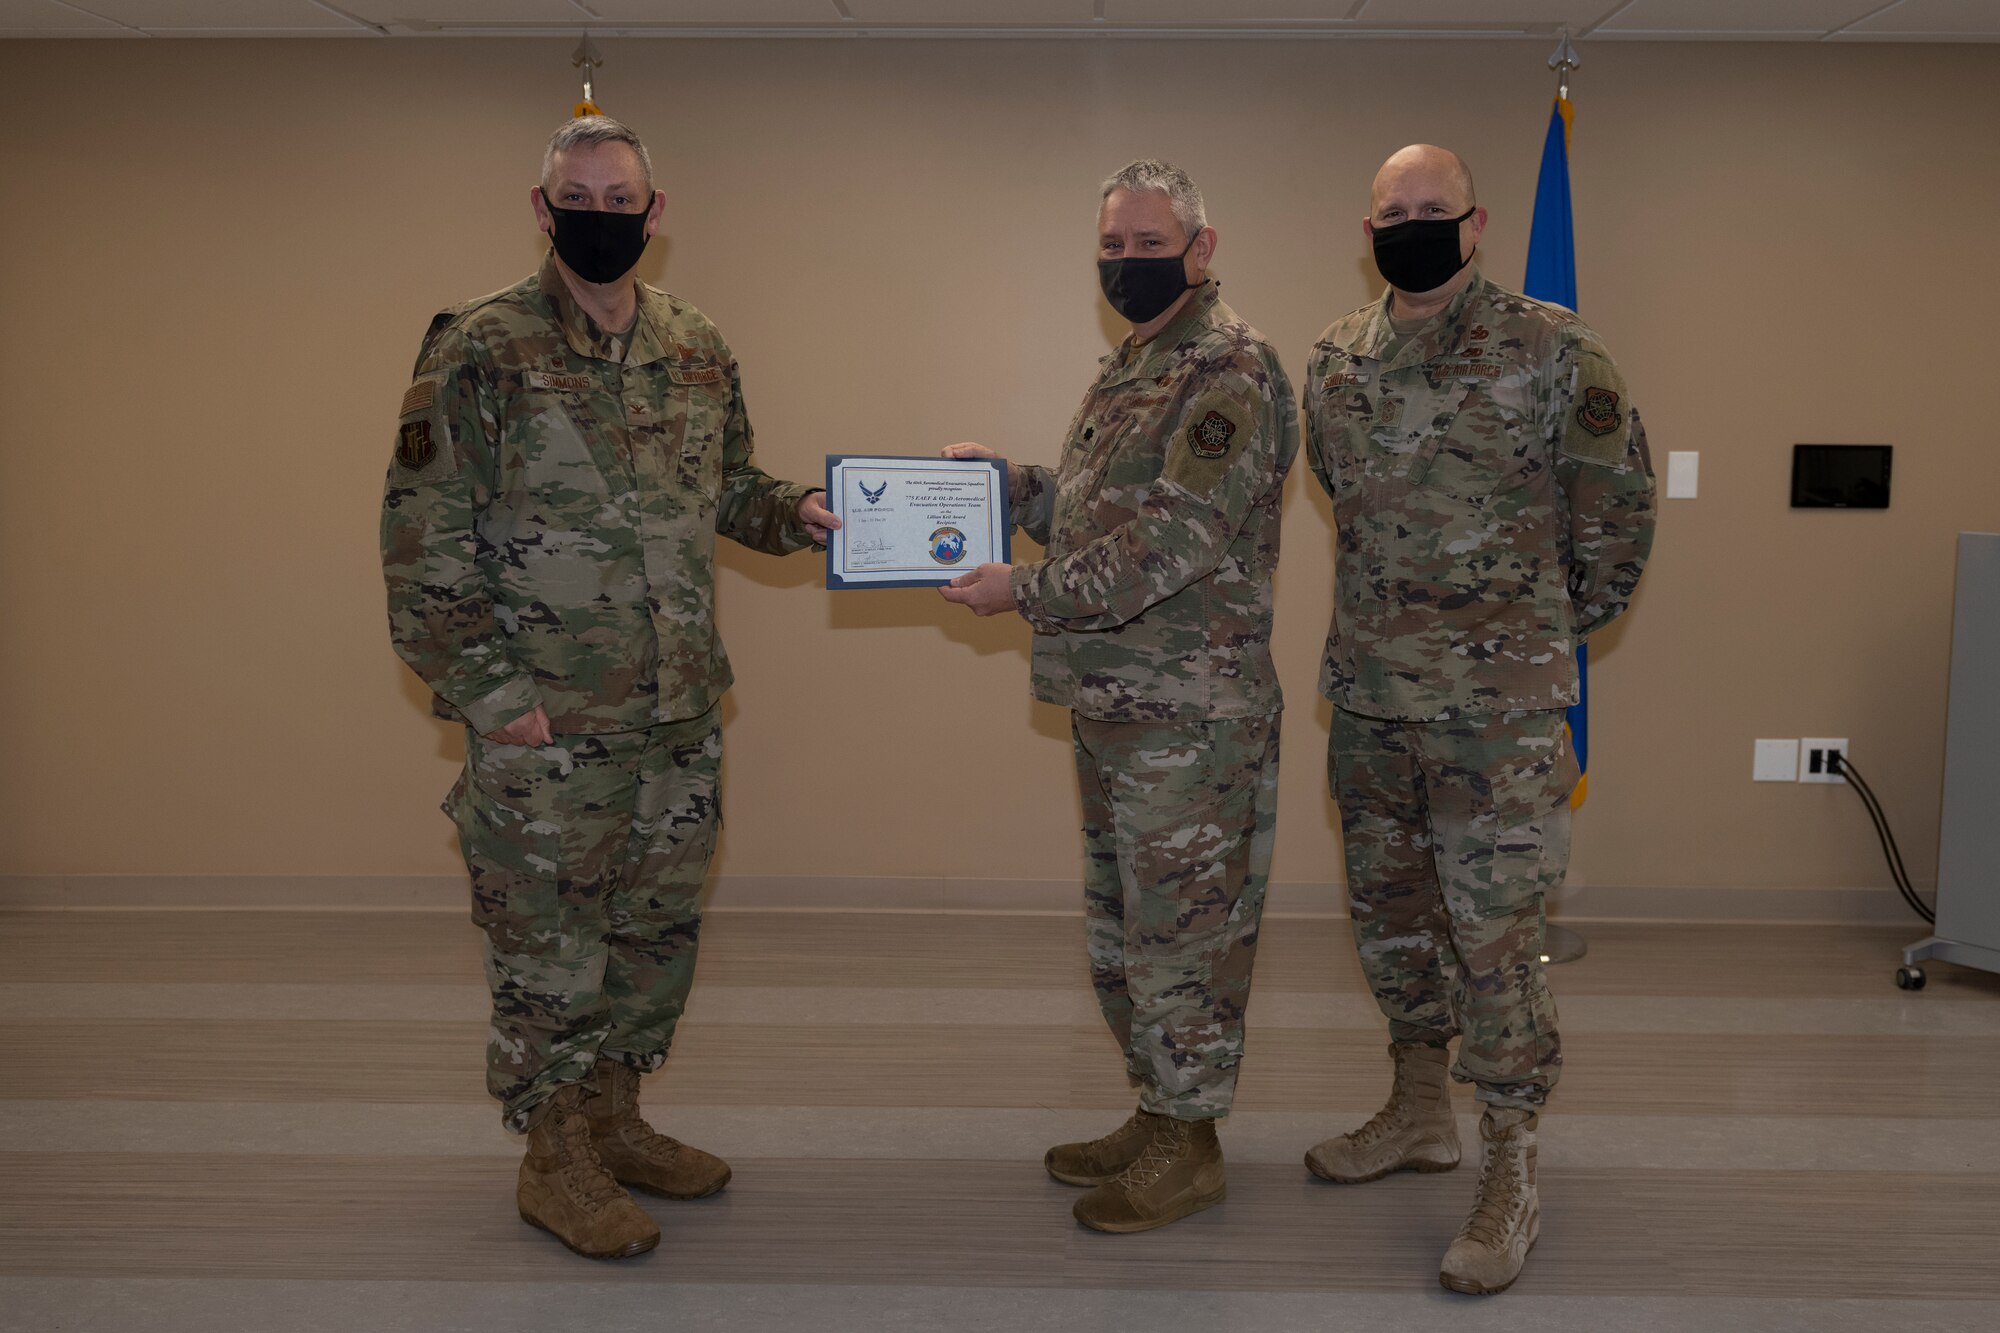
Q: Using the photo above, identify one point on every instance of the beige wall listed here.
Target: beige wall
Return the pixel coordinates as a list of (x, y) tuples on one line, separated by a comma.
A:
[(219, 257)]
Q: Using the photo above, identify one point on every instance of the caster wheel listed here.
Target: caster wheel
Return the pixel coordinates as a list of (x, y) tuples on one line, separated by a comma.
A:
[(1910, 978)]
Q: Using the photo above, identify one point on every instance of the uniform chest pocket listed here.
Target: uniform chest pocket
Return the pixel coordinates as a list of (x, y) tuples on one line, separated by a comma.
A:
[(547, 452), (1475, 453), (1345, 456), (1346, 418), (697, 413), (1108, 466), (1432, 424)]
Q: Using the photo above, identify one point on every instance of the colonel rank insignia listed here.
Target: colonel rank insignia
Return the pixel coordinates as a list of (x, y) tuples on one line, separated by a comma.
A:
[(1209, 437), (1598, 412), (414, 446)]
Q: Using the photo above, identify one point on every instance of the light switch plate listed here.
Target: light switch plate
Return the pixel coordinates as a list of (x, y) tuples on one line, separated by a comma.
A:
[(1683, 474), (1777, 761)]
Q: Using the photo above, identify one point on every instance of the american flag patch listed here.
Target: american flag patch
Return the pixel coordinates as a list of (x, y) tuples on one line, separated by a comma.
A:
[(420, 397)]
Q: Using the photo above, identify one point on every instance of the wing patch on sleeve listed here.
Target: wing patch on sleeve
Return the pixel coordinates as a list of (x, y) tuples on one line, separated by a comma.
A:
[(1596, 427)]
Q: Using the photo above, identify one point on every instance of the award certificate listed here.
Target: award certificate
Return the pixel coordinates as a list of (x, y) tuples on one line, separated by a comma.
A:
[(913, 522)]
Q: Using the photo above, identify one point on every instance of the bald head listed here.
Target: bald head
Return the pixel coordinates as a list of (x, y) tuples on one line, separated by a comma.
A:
[(1421, 181)]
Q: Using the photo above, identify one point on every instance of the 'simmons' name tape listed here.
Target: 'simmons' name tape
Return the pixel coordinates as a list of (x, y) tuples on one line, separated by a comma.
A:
[(542, 379)]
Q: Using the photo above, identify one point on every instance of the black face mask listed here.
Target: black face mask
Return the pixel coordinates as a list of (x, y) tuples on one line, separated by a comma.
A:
[(1422, 254), (1140, 289), (598, 247)]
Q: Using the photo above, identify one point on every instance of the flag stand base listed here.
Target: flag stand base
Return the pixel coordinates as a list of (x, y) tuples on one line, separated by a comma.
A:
[(1560, 944)]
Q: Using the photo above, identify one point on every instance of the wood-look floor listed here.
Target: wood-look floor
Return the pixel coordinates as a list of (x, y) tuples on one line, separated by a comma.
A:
[(246, 1120)]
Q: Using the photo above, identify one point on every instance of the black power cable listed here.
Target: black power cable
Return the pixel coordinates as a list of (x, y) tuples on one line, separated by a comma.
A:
[(1838, 763)]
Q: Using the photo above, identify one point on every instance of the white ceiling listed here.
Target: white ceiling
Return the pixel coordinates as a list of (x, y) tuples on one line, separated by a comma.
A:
[(1624, 20)]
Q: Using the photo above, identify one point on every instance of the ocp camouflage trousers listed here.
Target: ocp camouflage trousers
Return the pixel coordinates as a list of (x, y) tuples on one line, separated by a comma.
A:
[(1454, 831), (587, 858), (1178, 826)]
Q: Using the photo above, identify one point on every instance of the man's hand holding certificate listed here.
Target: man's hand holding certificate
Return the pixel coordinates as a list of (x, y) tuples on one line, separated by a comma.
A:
[(914, 522), (989, 589)]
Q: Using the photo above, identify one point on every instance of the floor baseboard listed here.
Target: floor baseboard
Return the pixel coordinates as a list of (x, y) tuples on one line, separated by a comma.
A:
[(1575, 904)]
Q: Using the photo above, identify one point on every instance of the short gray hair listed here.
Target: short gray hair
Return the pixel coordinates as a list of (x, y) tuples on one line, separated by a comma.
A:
[(1151, 174), (585, 131)]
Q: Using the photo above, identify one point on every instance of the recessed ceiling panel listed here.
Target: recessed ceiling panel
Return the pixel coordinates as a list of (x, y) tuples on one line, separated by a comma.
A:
[(1808, 17), (421, 14), (1244, 14), (1516, 14), (1933, 18), (42, 18), (986, 13), (1800, 20), (718, 13), (276, 17)]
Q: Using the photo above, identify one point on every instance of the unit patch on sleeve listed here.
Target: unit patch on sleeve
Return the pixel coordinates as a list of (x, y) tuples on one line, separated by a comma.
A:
[(1215, 438), (422, 445), (1209, 436), (1598, 411), (414, 446), (1595, 429)]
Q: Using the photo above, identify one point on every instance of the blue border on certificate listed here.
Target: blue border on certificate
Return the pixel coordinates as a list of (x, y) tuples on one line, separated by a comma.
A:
[(1003, 518)]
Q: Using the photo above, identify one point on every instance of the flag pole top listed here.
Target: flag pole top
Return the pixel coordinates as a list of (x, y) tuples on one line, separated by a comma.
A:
[(587, 57), (1562, 62)]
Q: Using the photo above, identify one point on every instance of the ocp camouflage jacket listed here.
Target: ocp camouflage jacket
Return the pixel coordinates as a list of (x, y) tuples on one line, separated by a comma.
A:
[(1493, 501), (1161, 529), (549, 521)]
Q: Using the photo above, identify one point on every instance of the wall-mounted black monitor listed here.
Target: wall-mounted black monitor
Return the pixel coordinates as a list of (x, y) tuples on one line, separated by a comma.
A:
[(1840, 476)]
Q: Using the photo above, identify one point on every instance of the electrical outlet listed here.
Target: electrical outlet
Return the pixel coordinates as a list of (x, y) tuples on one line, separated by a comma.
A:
[(1813, 765)]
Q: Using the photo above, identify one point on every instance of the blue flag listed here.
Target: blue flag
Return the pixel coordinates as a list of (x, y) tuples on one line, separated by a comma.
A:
[(1551, 276)]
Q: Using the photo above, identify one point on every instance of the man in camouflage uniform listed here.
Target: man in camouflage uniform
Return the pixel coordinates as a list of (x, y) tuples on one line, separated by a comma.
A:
[(1152, 619), (569, 449), (1494, 500)]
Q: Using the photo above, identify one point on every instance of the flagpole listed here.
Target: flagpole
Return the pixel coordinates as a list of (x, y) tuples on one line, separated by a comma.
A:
[(1560, 944)]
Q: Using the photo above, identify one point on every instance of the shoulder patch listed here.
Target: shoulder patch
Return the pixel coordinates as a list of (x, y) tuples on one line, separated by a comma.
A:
[(415, 445), (1595, 429), (423, 441), (1210, 436), (1214, 432), (419, 397), (1598, 411)]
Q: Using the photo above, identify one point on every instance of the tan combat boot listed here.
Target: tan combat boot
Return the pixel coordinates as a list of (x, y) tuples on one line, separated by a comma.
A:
[(1099, 1160), (566, 1191), (1506, 1217), (634, 1152), (1178, 1172), (1416, 1131)]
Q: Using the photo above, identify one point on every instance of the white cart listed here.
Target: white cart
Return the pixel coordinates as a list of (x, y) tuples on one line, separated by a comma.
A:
[(1968, 893)]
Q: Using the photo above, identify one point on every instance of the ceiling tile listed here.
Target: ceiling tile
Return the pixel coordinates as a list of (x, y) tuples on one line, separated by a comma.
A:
[(421, 14), (44, 18), (990, 13), (1843, 20), (1811, 17), (1471, 14), (716, 13), (1244, 14), (1933, 18), (273, 16)]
